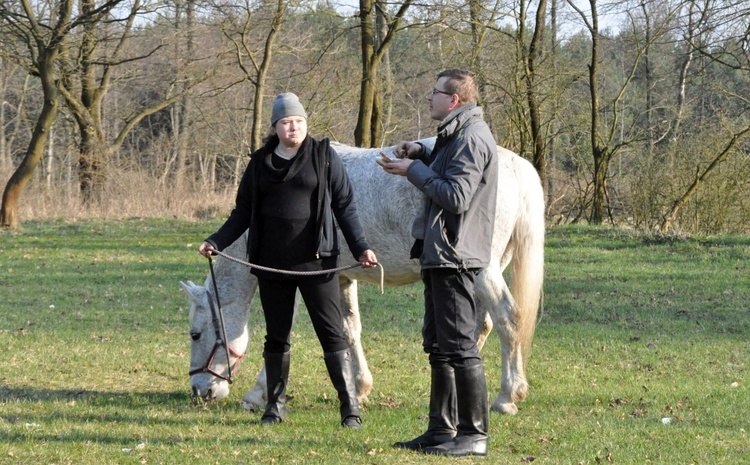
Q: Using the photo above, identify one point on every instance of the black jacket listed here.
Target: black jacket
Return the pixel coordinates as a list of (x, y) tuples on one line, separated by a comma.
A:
[(335, 201)]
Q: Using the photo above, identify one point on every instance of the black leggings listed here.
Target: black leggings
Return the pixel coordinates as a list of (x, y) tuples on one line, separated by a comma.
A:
[(323, 302)]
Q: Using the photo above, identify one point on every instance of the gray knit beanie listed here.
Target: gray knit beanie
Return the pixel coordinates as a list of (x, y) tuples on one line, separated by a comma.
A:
[(286, 104)]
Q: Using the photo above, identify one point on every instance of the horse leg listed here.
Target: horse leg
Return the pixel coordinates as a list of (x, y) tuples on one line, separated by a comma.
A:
[(256, 398), (353, 334), (493, 294), (486, 330)]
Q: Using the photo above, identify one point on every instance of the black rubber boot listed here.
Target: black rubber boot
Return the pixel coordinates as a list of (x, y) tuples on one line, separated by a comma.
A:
[(473, 415), (442, 424), (339, 365), (277, 376)]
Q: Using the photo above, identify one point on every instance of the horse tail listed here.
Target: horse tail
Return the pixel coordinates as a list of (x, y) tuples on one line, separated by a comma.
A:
[(527, 263)]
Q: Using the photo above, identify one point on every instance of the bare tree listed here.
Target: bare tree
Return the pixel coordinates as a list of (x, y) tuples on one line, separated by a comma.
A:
[(532, 60), (86, 81), (607, 136), (675, 88), (46, 38), (367, 132), (731, 52), (182, 111), (481, 22), (690, 36), (255, 63), (384, 108)]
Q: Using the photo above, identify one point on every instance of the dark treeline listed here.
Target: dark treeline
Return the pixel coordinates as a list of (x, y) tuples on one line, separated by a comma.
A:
[(633, 113)]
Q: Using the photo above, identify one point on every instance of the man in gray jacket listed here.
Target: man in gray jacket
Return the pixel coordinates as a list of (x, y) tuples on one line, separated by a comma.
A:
[(458, 178)]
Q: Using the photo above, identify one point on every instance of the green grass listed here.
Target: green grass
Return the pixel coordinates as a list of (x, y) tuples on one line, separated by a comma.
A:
[(94, 355)]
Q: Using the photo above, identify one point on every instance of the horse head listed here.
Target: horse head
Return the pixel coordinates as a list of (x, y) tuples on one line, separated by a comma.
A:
[(215, 349)]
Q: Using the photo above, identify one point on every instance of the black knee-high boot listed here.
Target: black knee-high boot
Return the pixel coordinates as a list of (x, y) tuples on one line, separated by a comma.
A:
[(473, 415), (339, 365), (442, 424), (277, 376)]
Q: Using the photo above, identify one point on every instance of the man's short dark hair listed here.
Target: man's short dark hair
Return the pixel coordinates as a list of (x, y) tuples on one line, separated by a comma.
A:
[(462, 83)]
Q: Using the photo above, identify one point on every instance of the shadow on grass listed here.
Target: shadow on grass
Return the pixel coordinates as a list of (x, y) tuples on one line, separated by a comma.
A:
[(124, 419), (112, 407), (167, 440), (129, 399)]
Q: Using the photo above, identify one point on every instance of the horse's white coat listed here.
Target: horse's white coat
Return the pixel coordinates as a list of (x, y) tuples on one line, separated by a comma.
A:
[(387, 205)]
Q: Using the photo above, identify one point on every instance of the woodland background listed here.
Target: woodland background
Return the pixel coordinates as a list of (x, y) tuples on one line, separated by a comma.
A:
[(634, 113)]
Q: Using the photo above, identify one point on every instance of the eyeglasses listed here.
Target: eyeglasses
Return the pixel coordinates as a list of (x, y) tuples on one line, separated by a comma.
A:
[(436, 91)]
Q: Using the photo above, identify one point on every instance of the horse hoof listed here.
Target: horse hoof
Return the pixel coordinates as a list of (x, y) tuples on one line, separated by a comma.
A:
[(505, 408)]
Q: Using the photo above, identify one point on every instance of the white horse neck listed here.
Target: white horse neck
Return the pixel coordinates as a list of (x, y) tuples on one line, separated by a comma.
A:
[(236, 287)]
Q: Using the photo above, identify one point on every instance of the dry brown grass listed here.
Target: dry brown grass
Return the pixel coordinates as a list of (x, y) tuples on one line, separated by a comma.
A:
[(127, 195)]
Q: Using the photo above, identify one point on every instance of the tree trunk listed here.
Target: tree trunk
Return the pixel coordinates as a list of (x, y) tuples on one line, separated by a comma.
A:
[(88, 114), (649, 82), (368, 87), (183, 108), (690, 37), (596, 215), (550, 159), (478, 34), (90, 166), (599, 195), (368, 130), (536, 52), (385, 102), (35, 152), (260, 80), (376, 123)]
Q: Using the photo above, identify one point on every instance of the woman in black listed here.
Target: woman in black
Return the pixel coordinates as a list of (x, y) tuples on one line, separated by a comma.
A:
[(292, 190)]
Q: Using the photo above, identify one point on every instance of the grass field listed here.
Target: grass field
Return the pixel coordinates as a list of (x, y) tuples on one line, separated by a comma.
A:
[(640, 356)]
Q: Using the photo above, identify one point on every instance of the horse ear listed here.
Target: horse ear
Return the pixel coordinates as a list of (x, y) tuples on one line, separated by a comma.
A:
[(194, 291)]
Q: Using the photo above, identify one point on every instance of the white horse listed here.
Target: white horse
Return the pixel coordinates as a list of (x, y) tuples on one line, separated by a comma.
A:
[(387, 205)]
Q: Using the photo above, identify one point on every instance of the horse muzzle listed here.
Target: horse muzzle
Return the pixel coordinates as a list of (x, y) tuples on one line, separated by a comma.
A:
[(213, 390)]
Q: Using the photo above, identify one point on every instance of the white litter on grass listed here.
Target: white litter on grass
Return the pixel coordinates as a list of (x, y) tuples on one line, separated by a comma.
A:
[(33, 425), (138, 447), (666, 420)]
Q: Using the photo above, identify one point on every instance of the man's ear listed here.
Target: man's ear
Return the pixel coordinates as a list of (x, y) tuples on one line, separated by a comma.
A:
[(455, 102)]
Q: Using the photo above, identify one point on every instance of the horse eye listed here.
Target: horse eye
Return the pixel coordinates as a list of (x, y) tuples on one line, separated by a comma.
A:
[(195, 336)]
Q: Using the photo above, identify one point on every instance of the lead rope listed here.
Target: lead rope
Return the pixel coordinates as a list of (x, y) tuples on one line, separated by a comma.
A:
[(221, 322), (297, 273)]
